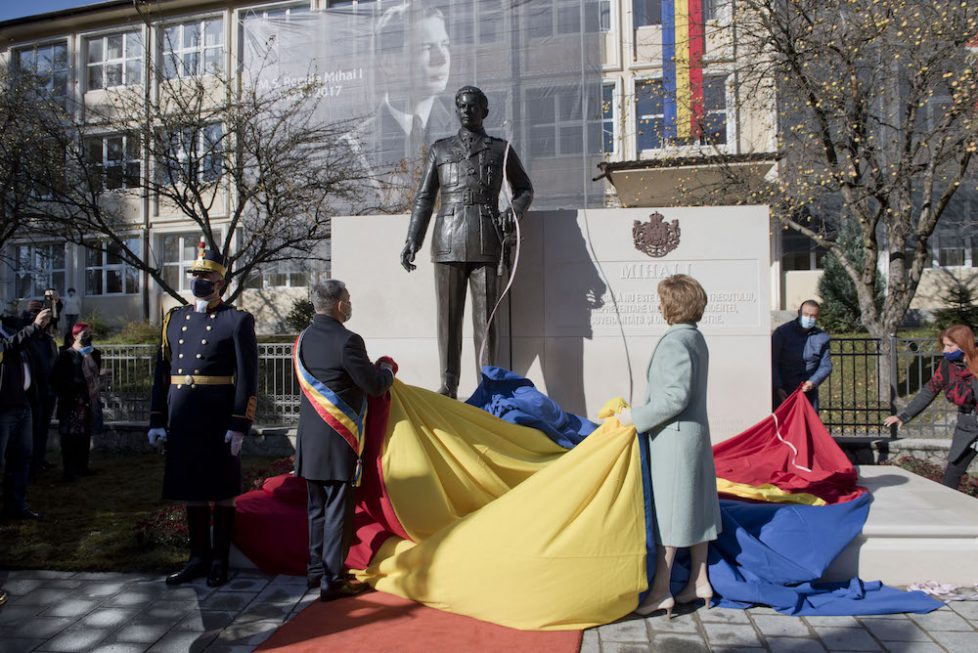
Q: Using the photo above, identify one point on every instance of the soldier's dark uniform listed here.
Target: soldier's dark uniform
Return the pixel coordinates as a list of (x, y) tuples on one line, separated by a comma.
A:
[(466, 243), (204, 386)]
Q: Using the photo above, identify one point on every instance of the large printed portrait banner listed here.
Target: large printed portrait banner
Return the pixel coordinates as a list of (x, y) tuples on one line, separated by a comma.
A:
[(393, 68)]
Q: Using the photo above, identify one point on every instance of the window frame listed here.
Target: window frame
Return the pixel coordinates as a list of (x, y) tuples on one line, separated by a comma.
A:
[(38, 276), (105, 268), (35, 48), (185, 239), (104, 62), (129, 158), (182, 156), (690, 147), (585, 122), (170, 55)]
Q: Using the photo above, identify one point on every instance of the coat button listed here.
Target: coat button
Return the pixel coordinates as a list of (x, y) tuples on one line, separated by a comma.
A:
[(180, 341), (203, 341), (213, 315), (200, 355), (179, 355), (179, 371), (208, 327), (183, 328), (188, 316)]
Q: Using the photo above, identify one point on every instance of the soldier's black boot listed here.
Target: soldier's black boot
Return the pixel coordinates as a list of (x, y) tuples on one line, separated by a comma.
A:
[(223, 531), (199, 528)]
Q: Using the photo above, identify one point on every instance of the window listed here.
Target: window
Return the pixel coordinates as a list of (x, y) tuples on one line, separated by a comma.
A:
[(191, 154), (39, 267), (799, 252), (650, 115), (954, 251), (117, 159), (193, 48), (49, 64), (647, 12), (277, 13), (711, 9), (106, 273), (554, 17), (179, 253), (556, 123), (115, 60), (284, 274)]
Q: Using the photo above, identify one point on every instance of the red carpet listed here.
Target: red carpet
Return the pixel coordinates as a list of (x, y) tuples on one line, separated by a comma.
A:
[(379, 622)]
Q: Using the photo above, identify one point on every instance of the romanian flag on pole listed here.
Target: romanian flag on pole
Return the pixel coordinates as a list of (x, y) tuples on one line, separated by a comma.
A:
[(682, 68)]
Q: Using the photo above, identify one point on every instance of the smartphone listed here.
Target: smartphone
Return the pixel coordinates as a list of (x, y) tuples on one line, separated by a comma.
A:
[(50, 304)]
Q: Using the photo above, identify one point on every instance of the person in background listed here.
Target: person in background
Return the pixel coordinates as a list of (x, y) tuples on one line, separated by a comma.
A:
[(674, 418), (43, 351), (15, 414), (332, 365), (957, 378), (72, 308), (800, 355), (76, 381)]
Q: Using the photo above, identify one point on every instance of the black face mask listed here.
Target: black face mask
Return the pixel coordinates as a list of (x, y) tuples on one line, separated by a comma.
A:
[(86, 340), (201, 288)]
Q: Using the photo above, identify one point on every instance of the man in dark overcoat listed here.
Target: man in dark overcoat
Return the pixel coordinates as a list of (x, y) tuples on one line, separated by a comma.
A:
[(204, 399), (336, 376), (468, 241)]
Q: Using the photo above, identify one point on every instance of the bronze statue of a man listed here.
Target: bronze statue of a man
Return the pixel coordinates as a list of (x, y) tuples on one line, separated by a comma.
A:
[(468, 240)]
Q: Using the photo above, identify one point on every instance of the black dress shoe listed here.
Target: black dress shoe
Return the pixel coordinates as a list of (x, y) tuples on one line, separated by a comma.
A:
[(314, 581), (218, 574), (195, 568), (26, 514), (342, 589)]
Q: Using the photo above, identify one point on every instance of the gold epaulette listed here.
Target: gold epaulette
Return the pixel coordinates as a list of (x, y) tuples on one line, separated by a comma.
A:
[(164, 341)]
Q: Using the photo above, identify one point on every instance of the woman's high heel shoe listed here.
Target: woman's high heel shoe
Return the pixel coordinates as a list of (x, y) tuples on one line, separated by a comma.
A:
[(650, 605), (700, 592)]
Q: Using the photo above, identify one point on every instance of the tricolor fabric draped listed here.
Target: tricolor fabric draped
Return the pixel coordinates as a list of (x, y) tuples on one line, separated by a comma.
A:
[(466, 511)]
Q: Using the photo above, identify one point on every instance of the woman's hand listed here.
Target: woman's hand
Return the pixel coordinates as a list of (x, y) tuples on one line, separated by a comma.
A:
[(891, 420)]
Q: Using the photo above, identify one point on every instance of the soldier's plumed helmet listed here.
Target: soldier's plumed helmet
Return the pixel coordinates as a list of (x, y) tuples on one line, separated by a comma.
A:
[(473, 90), (209, 261)]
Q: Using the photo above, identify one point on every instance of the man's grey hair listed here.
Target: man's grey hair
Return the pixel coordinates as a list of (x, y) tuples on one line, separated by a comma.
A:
[(326, 295)]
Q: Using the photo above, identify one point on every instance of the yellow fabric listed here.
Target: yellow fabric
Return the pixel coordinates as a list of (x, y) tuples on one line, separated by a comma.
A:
[(508, 527), (767, 492)]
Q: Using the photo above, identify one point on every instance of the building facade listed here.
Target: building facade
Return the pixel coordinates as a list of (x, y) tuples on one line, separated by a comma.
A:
[(572, 84)]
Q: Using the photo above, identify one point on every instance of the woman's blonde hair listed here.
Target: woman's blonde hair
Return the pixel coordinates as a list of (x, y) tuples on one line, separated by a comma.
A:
[(964, 338), (683, 299)]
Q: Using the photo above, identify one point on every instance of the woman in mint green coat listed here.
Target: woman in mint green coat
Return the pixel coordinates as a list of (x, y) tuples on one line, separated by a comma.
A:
[(673, 417)]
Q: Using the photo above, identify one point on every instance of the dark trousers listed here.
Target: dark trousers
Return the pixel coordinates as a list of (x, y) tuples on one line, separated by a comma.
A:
[(956, 469), (16, 440), (450, 282), (330, 508), (75, 450), (41, 410)]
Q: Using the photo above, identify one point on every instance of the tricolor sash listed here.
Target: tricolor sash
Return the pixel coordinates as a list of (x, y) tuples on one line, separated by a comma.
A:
[(347, 422)]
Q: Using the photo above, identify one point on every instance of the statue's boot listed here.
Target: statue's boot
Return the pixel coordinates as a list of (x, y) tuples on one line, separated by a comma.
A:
[(448, 391), (199, 529), (223, 531)]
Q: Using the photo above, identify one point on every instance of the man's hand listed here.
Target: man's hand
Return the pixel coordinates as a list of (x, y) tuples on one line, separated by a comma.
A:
[(807, 386), (43, 317), (236, 438), (384, 365), (407, 257), (891, 420), (156, 437)]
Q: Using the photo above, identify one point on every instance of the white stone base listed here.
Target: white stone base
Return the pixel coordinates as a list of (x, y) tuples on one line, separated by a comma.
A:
[(917, 530)]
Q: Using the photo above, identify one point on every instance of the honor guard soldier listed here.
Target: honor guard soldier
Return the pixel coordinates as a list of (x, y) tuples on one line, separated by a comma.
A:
[(469, 240), (204, 398)]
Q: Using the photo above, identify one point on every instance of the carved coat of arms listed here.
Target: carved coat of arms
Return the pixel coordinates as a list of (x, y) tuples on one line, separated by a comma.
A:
[(656, 237)]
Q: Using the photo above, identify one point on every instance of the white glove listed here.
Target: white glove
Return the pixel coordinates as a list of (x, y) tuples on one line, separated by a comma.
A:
[(236, 438), (156, 437), (625, 417), (387, 366)]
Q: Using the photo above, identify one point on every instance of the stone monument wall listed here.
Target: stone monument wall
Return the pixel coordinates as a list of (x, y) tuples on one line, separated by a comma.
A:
[(584, 304)]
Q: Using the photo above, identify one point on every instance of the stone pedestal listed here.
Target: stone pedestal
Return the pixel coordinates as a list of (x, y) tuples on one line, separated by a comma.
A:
[(584, 304)]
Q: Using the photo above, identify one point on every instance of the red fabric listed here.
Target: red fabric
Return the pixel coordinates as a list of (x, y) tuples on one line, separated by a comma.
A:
[(271, 526), (758, 456), (384, 623)]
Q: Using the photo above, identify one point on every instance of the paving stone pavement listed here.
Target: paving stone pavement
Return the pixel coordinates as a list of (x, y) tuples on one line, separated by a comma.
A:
[(50, 612), (66, 612), (952, 629)]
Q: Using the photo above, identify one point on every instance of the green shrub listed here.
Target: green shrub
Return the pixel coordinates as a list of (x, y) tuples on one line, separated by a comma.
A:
[(301, 314), (101, 329), (960, 305), (840, 311), (138, 333)]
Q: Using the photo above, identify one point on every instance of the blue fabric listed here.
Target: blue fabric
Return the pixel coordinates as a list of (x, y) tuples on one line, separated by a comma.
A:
[(514, 398), (767, 554)]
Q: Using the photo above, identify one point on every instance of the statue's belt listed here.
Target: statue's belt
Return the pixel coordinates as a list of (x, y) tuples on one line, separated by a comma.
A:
[(469, 197)]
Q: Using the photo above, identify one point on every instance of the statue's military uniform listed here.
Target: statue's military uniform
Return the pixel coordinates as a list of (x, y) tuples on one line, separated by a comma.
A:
[(467, 243), (205, 385)]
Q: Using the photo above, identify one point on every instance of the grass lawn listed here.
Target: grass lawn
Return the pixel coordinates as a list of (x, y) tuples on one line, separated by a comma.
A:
[(91, 525)]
